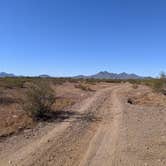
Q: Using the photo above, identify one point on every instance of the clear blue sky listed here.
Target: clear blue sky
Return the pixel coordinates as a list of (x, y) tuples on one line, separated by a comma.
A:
[(70, 37)]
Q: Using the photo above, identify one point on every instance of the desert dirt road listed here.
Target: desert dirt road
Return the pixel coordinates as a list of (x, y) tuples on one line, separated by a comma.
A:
[(103, 130)]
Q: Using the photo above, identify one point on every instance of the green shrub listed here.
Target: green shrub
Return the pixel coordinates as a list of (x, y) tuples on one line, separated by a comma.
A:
[(40, 98)]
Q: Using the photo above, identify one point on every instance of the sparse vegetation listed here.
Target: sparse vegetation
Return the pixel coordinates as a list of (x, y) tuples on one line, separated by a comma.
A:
[(40, 99), (158, 85), (135, 86), (90, 117), (5, 100), (83, 87), (10, 83), (62, 103)]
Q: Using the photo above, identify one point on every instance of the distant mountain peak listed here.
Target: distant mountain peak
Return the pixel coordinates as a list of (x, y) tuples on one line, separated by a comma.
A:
[(4, 74), (104, 72), (99, 75), (44, 76), (108, 75)]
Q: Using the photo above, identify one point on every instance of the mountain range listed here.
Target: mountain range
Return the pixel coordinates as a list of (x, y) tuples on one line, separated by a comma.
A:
[(100, 75), (107, 75), (3, 74)]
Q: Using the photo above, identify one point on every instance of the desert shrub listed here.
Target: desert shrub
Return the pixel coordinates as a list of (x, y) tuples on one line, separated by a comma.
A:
[(159, 86), (58, 81), (91, 81), (10, 83), (112, 80), (83, 87), (40, 98)]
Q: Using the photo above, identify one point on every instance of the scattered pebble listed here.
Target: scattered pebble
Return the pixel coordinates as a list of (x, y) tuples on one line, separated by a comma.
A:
[(10, 162)]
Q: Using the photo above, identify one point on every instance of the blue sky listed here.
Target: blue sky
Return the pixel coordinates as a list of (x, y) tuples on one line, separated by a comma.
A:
[(70, 37)]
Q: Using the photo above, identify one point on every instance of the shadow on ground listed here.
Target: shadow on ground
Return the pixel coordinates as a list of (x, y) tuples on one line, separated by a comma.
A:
[(61, 116), (58, 117)]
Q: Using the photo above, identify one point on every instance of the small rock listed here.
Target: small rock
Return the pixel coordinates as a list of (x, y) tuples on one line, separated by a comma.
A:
[(27, 137), (10, 162), (26, 131)]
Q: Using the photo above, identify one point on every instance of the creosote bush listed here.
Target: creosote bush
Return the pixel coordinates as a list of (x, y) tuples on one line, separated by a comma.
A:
[(40, 98)]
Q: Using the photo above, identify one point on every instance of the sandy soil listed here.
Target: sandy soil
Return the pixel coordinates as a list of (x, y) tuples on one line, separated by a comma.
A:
[(104, 130)]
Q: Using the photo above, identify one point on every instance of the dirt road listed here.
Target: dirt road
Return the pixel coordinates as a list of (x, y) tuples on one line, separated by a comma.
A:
[(104, 130)]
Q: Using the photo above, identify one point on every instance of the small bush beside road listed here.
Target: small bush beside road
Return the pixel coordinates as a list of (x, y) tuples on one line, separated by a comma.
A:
[(40, 99)]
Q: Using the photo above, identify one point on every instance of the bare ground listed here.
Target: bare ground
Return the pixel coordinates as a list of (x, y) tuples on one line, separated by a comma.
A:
[(102, 130)]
